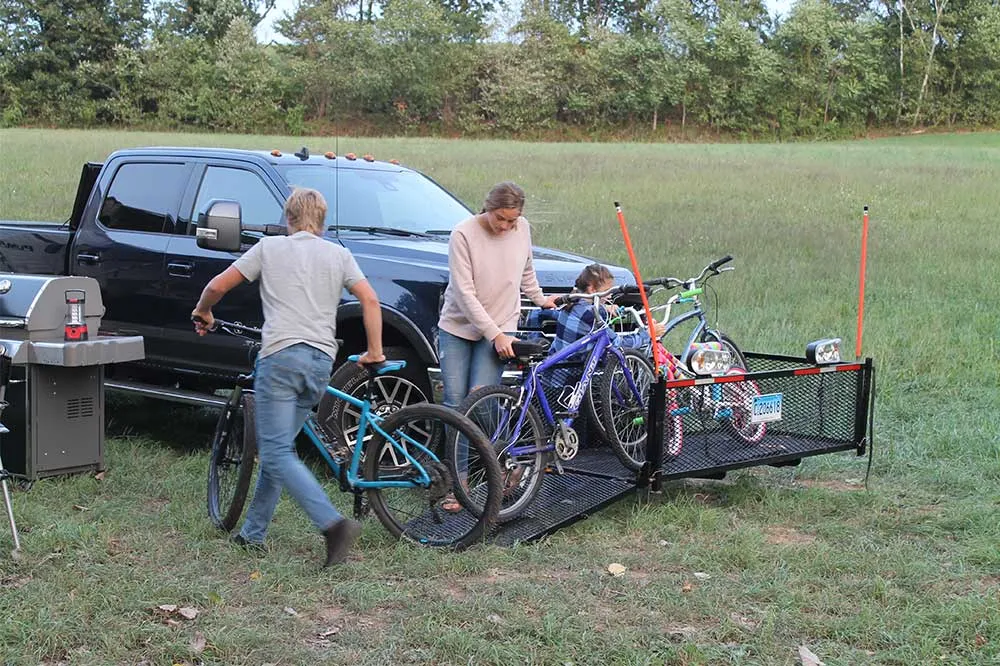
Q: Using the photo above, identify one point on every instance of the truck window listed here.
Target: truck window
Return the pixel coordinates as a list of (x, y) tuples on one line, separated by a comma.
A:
[(257, 204), (144, 197), (375, 198)]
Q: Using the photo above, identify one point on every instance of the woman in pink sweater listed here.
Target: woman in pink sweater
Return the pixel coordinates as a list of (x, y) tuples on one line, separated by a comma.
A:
[(489, 257)]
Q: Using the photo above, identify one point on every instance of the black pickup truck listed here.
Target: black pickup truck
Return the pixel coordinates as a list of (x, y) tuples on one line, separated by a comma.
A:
[(133, 228)]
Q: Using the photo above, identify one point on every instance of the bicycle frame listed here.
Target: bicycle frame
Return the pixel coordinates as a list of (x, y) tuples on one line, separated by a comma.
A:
[(603, 340), (353, 478)]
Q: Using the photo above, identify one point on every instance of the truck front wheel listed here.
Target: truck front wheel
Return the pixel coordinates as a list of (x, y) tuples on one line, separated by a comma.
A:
[(390, 392)]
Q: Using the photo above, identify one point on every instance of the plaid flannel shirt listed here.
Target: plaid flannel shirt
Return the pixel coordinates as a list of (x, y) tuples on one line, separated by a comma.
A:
[(571, 325)]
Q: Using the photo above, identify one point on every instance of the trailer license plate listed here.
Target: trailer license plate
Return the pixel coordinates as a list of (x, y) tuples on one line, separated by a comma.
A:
[(766, 408)]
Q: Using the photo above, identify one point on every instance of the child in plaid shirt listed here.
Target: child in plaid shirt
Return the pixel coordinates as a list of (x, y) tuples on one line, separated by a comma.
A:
[(576, 319)]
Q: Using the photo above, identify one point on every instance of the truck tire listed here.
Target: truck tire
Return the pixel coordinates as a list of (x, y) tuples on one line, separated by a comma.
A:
[(391, 391)]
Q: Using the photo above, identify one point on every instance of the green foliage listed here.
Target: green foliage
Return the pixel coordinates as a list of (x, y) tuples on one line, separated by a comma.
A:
[(829, 68)]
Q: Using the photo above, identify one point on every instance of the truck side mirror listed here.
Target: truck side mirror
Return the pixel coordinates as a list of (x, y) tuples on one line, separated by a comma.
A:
[(219, 227)]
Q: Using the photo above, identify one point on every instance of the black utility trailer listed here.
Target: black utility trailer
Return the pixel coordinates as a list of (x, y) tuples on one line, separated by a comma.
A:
[(819, 409)]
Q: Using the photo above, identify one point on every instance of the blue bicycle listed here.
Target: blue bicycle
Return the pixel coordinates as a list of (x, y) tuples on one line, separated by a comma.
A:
[(523, 442), (406, 472)]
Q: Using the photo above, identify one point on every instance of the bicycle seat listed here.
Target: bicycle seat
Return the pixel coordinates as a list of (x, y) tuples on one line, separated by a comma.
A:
[(382, 368), (525, 350)]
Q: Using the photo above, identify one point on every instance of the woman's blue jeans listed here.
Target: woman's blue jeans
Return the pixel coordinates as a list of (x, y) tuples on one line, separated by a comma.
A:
[(287, 385), (465, 365)]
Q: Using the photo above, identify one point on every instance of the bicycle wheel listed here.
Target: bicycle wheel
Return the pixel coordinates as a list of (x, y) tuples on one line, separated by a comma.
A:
[(592, 409), (624, 416), (495, 410), (413, 509), (738, 397), (230, 467)]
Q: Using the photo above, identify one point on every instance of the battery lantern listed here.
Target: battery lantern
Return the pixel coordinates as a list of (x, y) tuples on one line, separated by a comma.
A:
[(76, 325)]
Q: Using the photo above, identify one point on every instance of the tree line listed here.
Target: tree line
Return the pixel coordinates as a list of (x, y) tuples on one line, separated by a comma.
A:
[(827, 68)]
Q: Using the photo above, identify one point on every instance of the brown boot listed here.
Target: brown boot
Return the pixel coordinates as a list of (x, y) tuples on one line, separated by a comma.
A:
[(339, 538)]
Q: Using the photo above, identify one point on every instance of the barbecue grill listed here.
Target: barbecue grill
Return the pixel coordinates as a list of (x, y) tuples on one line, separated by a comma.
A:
[(49, 328)]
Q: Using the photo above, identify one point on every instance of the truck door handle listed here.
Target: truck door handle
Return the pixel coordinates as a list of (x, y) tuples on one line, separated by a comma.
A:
[(88, 258), (180, 268)]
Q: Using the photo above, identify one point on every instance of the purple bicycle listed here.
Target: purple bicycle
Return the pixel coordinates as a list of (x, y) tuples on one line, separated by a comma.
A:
[(525, 437)]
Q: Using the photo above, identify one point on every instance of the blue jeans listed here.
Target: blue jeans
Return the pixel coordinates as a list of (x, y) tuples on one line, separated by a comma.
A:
[(465, 365), (287, 385)]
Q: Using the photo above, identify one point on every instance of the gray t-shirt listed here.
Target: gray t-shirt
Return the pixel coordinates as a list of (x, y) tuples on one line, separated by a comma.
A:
[(302, 278)]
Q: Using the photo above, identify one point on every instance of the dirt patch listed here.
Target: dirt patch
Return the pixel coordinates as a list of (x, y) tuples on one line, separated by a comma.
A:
[(788, 536)]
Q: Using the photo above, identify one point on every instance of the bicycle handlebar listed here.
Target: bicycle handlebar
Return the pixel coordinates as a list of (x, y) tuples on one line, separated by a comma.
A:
[(712, 268), (221, 323)]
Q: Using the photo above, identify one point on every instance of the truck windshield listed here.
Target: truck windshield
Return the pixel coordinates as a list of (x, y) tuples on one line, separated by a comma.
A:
[(371, 199)]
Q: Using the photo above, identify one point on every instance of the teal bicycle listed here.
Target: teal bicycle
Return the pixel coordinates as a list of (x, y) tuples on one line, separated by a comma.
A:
[(406, 472)]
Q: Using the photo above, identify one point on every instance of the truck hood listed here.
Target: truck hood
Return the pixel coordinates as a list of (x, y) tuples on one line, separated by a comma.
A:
[(553, 267)]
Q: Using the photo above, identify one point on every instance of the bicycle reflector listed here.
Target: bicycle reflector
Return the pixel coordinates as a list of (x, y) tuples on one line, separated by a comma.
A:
[(76, 326), (708, 358), (822, 352)]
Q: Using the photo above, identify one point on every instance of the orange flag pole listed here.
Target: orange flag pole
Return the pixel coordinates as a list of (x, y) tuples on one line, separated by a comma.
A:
[(861, 287), (659, 359)]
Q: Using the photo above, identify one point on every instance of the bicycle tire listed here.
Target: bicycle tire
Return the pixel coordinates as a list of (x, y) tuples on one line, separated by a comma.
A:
[(230, 468), (740, 394), (623, 416), (414, 512), (493, 409), (592, 409)]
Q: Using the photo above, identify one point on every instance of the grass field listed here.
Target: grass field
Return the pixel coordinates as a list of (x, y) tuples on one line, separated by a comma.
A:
[(904, 572)]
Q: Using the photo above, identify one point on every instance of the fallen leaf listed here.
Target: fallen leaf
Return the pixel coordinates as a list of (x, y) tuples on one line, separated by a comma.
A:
[(214, 598), (198, 643), (170, 622), (290, 611), (167, 608), (79, 507), (808, 658), (687, 587), (980, 640), (254, 575), (664, 542), (701, 575), (494, 618), (328, 632), (99, 476), (188, 613), (616, 569)]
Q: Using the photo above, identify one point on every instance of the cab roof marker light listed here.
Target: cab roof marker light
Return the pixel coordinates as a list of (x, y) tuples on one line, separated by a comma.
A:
[(368, 157), (276, 153), (351, 156), (394, 161), (823, 352), (330, 155)]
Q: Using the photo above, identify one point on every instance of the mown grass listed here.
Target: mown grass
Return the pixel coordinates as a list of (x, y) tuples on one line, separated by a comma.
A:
[(905, 572)]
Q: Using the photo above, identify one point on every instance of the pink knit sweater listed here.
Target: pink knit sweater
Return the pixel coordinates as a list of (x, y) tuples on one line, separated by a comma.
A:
[(488, 274)]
